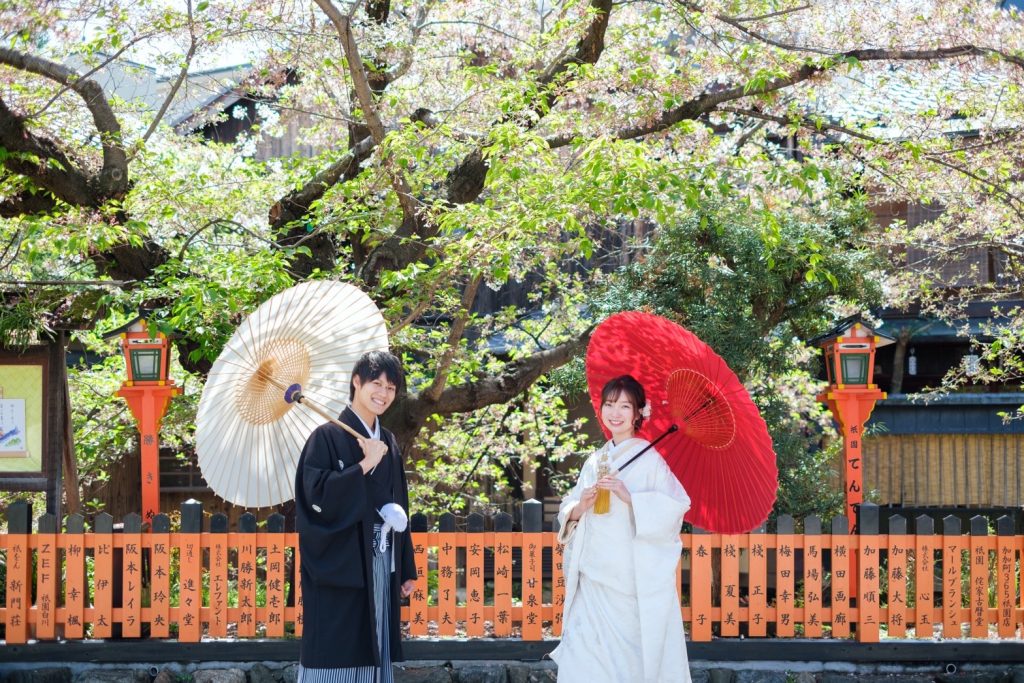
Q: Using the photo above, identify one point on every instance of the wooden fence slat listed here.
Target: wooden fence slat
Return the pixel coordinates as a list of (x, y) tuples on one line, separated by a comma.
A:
[(131, 585), (159, 540), (190, 573), (812, 578), (274, 543), (418, 599), (924, 579), (247, 584), (532, 590), (475, 575), (1006, 585), (446, 605), (74, 578), (701, 575), (979, 577), (896, 595), (297, 588), (952, 590), (784, 581), (503, 582), (47, 576), (19, 589), (868, 566), (103, 583), (218, 615), (730, 586), (842, 548), (757, 577), (558, 585)]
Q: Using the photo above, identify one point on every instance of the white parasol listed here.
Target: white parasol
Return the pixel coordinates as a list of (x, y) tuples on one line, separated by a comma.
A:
[(303, 341)]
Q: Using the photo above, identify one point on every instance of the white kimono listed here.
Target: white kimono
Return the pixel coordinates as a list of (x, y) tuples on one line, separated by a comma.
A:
[(621, 619)]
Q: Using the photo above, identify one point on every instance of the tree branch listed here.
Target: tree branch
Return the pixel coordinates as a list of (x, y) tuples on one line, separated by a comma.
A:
[(444, 366)]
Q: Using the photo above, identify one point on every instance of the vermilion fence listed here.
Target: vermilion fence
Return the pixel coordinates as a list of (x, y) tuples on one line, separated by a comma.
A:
[(482, 578)]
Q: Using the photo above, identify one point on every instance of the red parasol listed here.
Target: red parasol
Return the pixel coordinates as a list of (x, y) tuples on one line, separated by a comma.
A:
[(722, 453)]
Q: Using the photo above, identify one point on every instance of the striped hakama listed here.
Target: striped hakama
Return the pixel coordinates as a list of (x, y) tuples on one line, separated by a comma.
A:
[(382, 607)]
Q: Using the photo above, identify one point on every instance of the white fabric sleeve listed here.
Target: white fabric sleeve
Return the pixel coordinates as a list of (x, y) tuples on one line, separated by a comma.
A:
[(658, 512), (566, 528)]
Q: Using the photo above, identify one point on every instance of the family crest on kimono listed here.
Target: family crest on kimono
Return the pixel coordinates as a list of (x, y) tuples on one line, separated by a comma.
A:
[(352, 506), (622, 619)]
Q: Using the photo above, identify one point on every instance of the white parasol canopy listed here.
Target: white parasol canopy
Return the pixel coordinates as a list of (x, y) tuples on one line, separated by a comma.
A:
[(248, 437)]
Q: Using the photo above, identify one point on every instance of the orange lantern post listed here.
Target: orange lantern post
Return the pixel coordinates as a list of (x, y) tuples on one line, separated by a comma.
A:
[(148, 392), (850, 361)]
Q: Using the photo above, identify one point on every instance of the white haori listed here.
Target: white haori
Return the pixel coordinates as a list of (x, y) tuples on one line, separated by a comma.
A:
[(621, 614)]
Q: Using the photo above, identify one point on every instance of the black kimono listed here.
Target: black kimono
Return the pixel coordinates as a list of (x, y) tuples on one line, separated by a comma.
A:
[(336, 509)]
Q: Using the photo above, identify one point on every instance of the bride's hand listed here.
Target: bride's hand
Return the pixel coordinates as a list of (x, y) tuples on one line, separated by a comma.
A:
[(615, 485)]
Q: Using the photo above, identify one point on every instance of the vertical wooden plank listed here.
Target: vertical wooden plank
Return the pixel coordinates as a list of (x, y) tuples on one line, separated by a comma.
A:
[(952, 591), (74, 578), (558, 581), (730, 586), (474, 575), (247, 575), (503, 540), (131, 576), (757, 577), (841, 550), (103, 576), (924, 579), (418, 599), (160, 576), (701, 576), (979, 577), (868, 567), (813, 616), (446, 545), (47, 573), (190, 563), (19, 571), (532, 589), (785, 600), (1006, 584), (218, 618), (899, 545), (275, 576)]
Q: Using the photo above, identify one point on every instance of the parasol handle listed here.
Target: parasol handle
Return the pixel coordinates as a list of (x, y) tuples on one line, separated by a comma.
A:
[(673, 428), (294, 395)]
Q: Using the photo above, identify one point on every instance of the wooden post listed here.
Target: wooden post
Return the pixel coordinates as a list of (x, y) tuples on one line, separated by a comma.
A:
[(297, 587), (503, 540), (1006, 587), (757, 577), (952, 544), (558, 580), (841, 552), (446, 545), (899, 546), (701, 576), (74, 577), (812, 578), (924, 578), (190, 562), (148, 404), (868, 567), (160, 576), (730, 585), (275, 576), (784, 581), (247, 575), (418, 525), (131, 576), (218, 617), (47, 574), (103, 576), (475, 575), (979, 577), (19, 571), (531, 576)]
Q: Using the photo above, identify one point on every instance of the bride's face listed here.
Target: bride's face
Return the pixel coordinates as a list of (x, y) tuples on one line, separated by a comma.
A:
[(619, 415)]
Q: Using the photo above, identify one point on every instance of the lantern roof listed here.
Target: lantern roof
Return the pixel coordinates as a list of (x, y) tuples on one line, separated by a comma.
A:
[(136, 324), (853, 327)]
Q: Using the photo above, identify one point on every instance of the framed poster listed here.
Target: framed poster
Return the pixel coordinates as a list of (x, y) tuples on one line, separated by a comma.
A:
[(33, 419)]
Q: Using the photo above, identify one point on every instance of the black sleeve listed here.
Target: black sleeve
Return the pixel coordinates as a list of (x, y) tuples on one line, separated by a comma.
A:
[(333, 498)]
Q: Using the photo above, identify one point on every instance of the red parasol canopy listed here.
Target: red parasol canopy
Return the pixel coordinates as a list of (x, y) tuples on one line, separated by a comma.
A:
[(722, 453)]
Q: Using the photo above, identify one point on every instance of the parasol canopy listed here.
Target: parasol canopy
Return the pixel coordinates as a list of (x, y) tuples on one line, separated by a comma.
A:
[(248, 437), (722, 453)]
